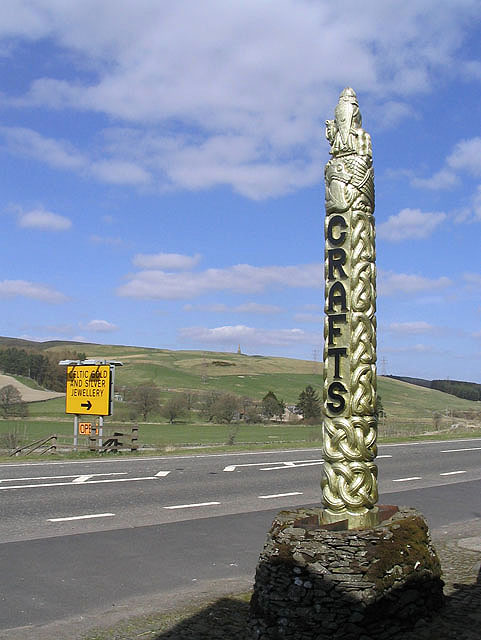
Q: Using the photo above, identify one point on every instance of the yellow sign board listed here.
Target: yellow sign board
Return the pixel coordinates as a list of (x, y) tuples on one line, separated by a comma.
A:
[(88, 390)]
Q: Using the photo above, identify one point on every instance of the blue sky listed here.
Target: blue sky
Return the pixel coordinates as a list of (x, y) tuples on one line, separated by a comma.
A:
[(162, 172)]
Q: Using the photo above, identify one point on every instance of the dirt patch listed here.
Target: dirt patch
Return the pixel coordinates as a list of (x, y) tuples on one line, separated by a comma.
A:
[(28, 395)]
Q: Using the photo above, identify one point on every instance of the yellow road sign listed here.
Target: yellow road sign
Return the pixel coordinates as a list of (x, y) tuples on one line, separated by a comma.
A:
[(88, 390)]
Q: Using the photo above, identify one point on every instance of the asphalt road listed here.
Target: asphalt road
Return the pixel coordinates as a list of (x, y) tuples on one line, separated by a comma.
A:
[(83, 536)]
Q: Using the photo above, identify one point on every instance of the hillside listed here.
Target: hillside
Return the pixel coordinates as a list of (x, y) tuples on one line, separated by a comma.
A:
[(247, 375)]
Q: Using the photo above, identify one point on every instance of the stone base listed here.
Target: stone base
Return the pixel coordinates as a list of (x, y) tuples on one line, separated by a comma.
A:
[(316, 582)]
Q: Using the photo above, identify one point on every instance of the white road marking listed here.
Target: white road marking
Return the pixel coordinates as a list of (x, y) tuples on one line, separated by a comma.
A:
[(188, 506), (293, 465), (407, 479), (92, 515), (282, 495), (82, 481), (115, 473), (289, 464), (455, 450), (451, 473)]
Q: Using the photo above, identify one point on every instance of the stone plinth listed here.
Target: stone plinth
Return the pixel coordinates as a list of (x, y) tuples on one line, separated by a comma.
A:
[(314, 581)]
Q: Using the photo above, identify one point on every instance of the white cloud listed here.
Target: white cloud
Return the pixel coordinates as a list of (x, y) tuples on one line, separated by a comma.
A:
[(59, 154), (242, 278), (44, 220), (442, 179), (308, 317), (248, 336), (250, 88), (465, 156), (415, 348), (119, 172), (174, 261), (390, 283), (408, 224), (246, 307), (99, 326), (26, 289), (417, 326)]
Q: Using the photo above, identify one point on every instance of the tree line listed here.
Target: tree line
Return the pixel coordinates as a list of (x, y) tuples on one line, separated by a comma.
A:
[(466, 390), (41, 367), (458, 388), (219, 407)]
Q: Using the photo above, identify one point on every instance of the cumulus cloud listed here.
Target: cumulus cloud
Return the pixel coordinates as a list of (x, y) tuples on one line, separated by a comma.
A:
[(61, 154), (464, 158), (390, 283), (443, 179), (173, 261), (249, 89), (408, 224), (246, 307), (241, 278), (43, 220), (26, 289), (248, 335), (99, 326), (417, 326)]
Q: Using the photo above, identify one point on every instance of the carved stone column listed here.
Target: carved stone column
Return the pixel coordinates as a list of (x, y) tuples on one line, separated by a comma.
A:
[(349, 485)]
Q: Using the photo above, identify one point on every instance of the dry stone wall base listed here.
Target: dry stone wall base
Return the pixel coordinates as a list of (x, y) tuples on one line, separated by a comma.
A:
[(314, 583)]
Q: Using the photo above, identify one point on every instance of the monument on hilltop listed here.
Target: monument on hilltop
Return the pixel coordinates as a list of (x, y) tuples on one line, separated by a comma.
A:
[(352, 569)]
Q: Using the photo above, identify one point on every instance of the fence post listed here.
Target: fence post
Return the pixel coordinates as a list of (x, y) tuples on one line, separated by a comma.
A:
[(134, 441)]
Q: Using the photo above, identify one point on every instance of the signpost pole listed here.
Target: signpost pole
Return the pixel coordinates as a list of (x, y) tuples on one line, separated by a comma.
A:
[(101, 425), (75, 432)]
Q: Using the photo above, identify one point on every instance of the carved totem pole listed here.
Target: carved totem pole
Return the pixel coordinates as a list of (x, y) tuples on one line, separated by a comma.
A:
[(349, 485)]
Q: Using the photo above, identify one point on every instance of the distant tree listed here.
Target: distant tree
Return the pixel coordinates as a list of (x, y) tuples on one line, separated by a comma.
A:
[(221, 407), (309, 403), (380, 412), (146, 399), (252, 413), (272, 406), (174, 408), (11, 402), (437, 420)]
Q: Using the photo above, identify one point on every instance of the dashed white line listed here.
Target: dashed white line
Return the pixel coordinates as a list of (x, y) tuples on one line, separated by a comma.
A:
[(86, 517), (281, 495), (407, 479), (189, 506), (451, 473), (467, 449)]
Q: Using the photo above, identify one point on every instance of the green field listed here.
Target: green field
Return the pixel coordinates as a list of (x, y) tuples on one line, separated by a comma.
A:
[(410, 410)]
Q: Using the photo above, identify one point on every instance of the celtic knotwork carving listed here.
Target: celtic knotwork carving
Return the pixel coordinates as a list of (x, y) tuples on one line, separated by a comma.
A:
[(349, 390), (352, 439), (362, 237)]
